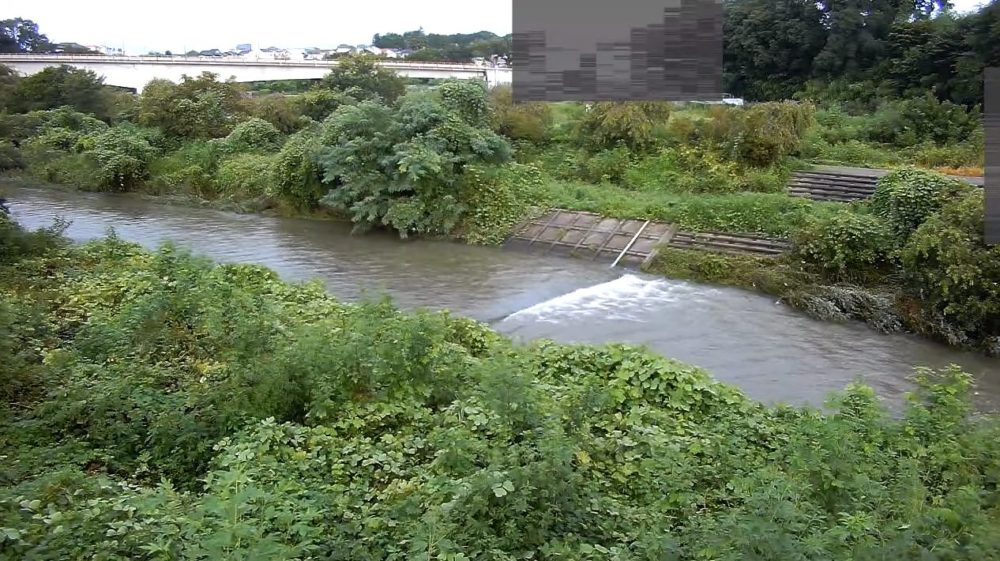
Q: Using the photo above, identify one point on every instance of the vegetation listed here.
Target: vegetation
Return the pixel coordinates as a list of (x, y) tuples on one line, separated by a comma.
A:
[(158, 407), (454, 160)]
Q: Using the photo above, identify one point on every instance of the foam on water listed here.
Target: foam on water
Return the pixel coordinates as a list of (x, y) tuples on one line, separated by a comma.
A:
[(625, 298)]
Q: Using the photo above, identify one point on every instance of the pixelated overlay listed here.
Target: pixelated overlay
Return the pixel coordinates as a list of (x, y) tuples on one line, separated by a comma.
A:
[(600, 50), (991, 122)]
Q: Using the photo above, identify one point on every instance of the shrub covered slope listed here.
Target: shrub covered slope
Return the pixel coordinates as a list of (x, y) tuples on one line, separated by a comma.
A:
[(158, 407)]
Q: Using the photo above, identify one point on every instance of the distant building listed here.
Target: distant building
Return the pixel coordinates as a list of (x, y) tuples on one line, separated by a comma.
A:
[(101, 49)]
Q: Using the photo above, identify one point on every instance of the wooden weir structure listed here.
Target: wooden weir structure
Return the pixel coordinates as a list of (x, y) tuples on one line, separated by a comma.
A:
[(628, 242)]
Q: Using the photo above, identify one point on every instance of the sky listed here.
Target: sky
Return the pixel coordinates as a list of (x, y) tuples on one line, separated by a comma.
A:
[(183, 25)]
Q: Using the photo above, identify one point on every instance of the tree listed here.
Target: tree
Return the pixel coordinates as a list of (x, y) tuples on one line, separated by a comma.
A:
[(201, 107), (389, 41), (404, 167), (360, 76), (21, 36), (58, 86), (769, 46)]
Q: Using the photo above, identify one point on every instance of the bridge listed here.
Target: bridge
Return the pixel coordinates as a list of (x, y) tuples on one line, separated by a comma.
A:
[(135, 72)]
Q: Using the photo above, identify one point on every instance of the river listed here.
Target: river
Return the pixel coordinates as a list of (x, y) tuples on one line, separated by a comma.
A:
[(771, 351)]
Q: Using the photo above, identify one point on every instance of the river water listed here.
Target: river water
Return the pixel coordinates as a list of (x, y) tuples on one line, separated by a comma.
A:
[(771, 351)]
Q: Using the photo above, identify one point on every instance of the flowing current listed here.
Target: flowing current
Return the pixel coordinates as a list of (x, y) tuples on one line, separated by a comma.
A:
[(771, 351)]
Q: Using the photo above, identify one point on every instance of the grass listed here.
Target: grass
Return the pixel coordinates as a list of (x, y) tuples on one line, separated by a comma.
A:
[(775, 214)]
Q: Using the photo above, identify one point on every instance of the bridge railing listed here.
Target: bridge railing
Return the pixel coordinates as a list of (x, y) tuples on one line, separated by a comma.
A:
[(121, 59)]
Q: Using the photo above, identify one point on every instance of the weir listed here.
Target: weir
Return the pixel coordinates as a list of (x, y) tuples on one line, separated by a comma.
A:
[(630, 242)]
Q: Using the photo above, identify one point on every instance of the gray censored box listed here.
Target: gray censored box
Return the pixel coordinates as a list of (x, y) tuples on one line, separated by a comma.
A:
[(991, 181), (621, 50)]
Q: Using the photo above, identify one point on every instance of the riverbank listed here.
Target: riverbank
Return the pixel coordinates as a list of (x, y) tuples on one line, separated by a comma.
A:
[(296, 412), (878, 302)]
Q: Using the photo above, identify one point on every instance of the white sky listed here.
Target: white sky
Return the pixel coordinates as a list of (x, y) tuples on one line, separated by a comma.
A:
[(182, 25)]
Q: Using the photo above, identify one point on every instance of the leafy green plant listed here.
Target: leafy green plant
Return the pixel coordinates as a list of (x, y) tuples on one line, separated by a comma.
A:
[(123, 158), (186, 410), (500, 198), (523, 121), (845, 245), (948, 266), (252, 135), (249, 175), (607, 124), (905, 198), (402, 167)]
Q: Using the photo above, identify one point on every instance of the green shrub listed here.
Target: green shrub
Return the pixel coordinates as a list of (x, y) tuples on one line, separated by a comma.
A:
[(246, 175), (606, 124), (297, 176), (252, 135), (320, 103), (402, 167), (499, 199), (123, 158), (523, 121), (192, 411), (905, 198), (682, 169), (279, 110), (955, 274), (10, 157), (908, 122), (606, 166), (193, 166), (770, 132), (845, 245)]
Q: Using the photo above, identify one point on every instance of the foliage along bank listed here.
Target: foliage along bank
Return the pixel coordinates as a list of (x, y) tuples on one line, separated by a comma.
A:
[(157, 406), (459, 161)]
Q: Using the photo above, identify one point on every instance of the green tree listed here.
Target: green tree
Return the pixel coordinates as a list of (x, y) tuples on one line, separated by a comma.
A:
[(769, 47), (201, 107), (402, 167), (20, 35), (60, 86), (360, 75), (124, 158)]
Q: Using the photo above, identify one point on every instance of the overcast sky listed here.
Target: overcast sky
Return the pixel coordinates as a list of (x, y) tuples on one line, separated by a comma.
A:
[(182, 25)]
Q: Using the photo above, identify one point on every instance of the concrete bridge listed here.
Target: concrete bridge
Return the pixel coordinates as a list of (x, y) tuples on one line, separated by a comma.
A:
[(136, 71)]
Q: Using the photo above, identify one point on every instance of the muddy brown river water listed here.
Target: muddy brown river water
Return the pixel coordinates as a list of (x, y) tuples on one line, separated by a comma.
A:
[(770, 350)]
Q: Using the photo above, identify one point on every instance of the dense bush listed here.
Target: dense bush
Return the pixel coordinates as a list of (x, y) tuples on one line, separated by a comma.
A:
[(123, 158), (320, 103), (949, 267), (911, 121), (297, 173), (250, 175), (402, 167), (607, 124), (361, 77), (252, 135), (499, 198), (196, 108), (200, 412), (279, 110), (905, 198), (193, 166), (60, 86), (606, 166), (522, 121), (770, 132), (846, 245)]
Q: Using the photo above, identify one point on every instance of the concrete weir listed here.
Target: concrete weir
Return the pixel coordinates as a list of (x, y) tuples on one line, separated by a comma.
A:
[(629, 242)]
